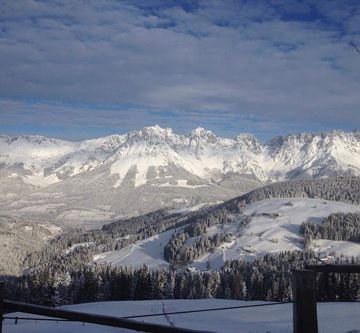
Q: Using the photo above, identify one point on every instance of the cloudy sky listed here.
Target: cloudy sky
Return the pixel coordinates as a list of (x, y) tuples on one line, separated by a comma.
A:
[(81, 69)]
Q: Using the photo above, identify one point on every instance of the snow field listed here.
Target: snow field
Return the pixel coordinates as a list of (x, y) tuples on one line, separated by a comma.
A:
[(332, 317)]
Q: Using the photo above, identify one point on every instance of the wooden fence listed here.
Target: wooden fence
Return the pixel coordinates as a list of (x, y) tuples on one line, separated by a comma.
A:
[(304, 294)]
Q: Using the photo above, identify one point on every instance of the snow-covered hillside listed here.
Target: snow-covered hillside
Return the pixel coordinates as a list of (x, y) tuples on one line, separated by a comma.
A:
[(274, 226), (120, 175), (332, 317), (18, 238)]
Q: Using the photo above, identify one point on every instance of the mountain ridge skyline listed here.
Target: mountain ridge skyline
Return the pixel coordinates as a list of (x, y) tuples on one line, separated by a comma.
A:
[(200, 152), (355, 130)]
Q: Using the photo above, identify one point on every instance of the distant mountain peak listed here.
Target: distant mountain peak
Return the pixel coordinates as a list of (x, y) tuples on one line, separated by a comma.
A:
[(154, 131), (157, 130), (30, 139), (201, 132)]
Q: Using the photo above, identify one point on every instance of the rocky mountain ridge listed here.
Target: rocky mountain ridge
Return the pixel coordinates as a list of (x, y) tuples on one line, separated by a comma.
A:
[(41, 161), (118, 176)]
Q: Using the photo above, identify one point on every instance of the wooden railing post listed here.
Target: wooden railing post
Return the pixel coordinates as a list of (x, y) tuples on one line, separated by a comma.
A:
[(304, 306), (2, 294)]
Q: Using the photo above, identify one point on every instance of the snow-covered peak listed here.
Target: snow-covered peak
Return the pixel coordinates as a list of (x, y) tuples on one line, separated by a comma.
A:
[(201, 132), (281, 140), (108, 144), (249, 142), (152, 132), (30, 140), (36, 147), (306, 138), (315, 155)]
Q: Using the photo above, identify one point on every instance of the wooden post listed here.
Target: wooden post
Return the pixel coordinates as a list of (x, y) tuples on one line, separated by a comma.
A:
[(335, 268), (304, 306), (2, 294)]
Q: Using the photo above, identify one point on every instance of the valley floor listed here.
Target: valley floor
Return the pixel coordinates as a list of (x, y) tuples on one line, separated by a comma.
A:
[(332, 317)]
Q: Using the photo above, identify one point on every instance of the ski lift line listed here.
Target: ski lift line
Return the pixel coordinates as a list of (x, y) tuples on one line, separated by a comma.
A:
[(90, 318), (154, 314), (163, 314), (207, 310)]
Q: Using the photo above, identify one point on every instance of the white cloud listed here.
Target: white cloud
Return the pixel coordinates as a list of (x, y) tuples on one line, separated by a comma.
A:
[(272, 62)]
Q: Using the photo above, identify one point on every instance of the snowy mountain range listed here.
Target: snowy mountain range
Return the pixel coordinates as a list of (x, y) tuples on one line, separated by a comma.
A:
[(120, 174), (43, 161)]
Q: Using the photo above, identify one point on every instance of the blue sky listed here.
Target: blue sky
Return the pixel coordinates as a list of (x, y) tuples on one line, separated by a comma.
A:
[(83, 69)]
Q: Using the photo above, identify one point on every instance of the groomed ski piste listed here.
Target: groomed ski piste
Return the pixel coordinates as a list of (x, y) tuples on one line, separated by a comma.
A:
[(332, 317), (274, 227)]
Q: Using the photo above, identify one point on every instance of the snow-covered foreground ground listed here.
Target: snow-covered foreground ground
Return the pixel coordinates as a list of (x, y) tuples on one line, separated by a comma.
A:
[(332, 317), (274, 227)]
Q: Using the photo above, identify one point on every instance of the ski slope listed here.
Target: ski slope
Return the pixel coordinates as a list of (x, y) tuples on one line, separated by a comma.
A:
[(274, 227), (332, 317), (148, 252)]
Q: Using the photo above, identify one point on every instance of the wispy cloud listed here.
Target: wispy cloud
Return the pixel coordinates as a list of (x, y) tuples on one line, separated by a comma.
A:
[(269, 65)]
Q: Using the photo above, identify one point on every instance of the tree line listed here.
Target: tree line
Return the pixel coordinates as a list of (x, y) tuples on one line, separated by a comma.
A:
[(337, 226), (344, 189), (267, 278)]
